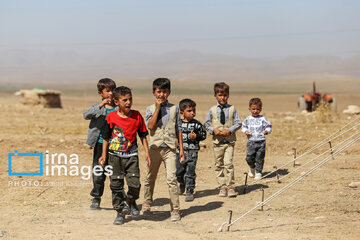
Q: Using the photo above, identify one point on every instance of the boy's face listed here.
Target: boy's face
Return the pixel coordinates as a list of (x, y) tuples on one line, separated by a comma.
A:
[(107, 93), (124, 102), (161, 95), (189, 113), (222, 97), (255, 110)]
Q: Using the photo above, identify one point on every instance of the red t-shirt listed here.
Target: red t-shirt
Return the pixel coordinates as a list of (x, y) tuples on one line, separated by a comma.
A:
[(123, 130)]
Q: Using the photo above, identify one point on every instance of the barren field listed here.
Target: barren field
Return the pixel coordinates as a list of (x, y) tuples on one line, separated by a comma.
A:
[(320, 206)]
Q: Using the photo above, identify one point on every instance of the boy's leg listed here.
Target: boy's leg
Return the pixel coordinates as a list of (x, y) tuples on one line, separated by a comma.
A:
[(260, 156), (180, 172), (151, 174), (228, 164), (132, 172), (117, 183), (169, 156), (219, 151), (190, 175), (250, 154), (98, 181)]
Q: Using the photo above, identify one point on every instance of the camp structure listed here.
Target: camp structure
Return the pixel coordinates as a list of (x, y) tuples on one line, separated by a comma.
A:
[(37, 96)]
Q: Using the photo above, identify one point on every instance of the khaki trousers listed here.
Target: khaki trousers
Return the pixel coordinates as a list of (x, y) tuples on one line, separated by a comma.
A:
[(224, 168), (168, 156)]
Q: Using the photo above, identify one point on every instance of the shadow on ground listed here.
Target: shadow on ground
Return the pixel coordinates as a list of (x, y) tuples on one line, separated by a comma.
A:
[(281, 172)]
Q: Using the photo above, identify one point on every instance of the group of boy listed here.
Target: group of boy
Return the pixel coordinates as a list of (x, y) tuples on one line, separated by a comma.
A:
[(174, 136)]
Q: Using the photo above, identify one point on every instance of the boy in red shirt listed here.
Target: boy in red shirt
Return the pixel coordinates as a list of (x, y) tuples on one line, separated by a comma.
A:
[(121, 126)]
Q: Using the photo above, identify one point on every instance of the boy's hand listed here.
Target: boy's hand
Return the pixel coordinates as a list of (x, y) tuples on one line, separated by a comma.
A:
[(102, 160), (247, 133), (265, 132), (217, 132), (105, 101), (192, 136), (181, 156), (148, 160), (226, 132), (158, 102)]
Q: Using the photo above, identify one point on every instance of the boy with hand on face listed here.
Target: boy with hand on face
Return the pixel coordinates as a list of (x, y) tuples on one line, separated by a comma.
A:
[(97, 113), (222, 122), (256, 127), (122, 126), (163, 121), (192, 133)]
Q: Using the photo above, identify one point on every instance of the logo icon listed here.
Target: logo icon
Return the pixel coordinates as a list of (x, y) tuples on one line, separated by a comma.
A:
[(34, 156)]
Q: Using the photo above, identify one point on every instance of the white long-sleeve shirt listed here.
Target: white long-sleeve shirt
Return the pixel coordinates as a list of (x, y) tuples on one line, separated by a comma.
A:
[(256, 126)]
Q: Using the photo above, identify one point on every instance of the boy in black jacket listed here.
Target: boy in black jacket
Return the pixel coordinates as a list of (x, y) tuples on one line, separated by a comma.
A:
[(192, 133)]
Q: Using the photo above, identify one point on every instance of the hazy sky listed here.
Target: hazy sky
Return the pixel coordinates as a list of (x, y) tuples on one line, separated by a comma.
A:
[(248, 28)]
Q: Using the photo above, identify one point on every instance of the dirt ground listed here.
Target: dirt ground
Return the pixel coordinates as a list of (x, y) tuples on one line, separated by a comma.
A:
[(321, 206)]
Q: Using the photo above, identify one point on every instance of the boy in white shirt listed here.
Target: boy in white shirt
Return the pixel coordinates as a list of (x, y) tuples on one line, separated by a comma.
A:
[(256, 127)]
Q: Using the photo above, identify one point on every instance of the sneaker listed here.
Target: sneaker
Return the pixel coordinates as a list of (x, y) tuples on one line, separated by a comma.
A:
[(181, 189), (119, 219), (189, 197), (223, 191), (258, 176), (145, 208), (134, 210), (252, 172), (231, 191), (175, 215), (95, 203)]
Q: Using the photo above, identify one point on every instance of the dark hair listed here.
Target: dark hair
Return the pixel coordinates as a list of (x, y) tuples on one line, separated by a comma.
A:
[(161, 83), (105, 83), (221, 87), (121, 91), (185, 103), (255, 101)]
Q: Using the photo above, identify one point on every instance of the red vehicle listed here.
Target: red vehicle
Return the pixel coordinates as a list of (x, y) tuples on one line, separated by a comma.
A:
[(310, 101)]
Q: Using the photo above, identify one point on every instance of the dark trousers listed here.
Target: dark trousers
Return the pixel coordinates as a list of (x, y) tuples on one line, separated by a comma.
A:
[(124, 168), (98, 181), (255, 155), (185, 172)]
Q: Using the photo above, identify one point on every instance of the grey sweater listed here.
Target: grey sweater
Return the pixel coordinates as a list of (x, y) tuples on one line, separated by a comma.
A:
[(96, 115)]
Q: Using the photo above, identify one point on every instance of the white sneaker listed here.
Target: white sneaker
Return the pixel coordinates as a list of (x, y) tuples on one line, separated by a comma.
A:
[(258, 176), (252, 172)]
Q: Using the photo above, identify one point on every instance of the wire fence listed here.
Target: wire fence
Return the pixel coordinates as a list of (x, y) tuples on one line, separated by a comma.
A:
[(334, 151)]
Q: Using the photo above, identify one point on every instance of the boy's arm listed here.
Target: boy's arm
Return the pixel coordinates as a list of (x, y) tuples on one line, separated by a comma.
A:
[(237, 122), (106, 133), (200, 132), (268, 127), (181, 152), (151, 118), (179, 135), (207, 123), (244, 126), (146, 148), (102, 159), (94, 110)]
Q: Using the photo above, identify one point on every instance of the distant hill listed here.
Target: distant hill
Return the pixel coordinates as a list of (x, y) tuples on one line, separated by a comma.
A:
[(25, 68)]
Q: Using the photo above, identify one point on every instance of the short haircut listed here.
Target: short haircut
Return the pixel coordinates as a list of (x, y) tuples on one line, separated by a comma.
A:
[(221, 87), (185, 103), (106, 83), (121, 91), (161, 83), (255, 101)]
